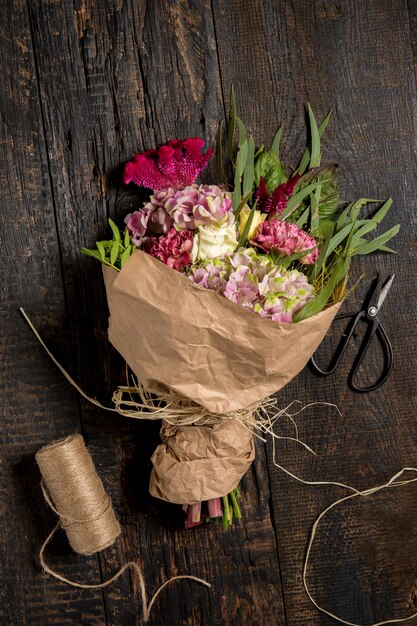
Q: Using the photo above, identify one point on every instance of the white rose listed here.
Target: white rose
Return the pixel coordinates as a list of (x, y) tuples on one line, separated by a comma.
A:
[(212, 241)]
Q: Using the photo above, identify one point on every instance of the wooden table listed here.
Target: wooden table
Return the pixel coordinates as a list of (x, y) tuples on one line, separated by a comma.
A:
[(85, 85)]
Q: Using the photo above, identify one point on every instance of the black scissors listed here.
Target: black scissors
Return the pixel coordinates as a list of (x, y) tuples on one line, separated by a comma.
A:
[(369, 314)]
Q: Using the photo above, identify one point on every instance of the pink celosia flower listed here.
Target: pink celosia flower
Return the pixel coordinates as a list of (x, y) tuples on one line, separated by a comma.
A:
[(174, 248), (286, 239), (275, 203), (176, 164)]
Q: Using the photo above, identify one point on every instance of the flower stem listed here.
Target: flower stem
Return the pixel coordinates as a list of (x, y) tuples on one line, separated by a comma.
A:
[(236, 508)]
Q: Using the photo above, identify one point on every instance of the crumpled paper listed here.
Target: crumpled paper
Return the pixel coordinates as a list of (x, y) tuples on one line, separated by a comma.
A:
[(198, 463), (176, 335)]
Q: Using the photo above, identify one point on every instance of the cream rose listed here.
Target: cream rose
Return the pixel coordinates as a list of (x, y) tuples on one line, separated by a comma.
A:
[(212, 242)]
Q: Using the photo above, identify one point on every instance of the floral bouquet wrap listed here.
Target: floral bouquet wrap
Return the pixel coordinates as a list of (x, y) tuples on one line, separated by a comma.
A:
[(219, 294)]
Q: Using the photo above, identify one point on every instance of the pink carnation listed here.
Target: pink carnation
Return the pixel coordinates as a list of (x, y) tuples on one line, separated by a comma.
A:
[(286, 239), (174, 248), (176, 164)]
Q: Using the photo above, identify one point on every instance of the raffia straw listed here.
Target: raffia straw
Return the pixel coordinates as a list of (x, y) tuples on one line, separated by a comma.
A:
[(162, 407)]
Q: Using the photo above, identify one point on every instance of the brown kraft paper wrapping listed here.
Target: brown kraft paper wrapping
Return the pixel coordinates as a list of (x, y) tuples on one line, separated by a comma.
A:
[(198, 463), (199, 344)]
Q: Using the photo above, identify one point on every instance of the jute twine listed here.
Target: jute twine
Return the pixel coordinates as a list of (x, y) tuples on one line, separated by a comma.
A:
[(177, 410), (74, 491)]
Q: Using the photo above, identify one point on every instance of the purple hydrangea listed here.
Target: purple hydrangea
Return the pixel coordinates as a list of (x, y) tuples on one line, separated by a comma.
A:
[(256, 283)]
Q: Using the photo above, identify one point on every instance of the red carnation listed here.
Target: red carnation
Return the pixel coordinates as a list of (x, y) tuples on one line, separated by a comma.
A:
[(174, 249)]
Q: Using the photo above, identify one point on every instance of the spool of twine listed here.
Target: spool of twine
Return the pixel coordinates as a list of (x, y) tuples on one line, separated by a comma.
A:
[(73, 489), (77, 494)]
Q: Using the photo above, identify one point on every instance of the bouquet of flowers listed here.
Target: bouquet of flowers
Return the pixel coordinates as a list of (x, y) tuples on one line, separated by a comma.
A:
[(219, 294)]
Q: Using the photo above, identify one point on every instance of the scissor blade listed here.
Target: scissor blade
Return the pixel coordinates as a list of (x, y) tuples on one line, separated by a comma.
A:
[(384, 291)]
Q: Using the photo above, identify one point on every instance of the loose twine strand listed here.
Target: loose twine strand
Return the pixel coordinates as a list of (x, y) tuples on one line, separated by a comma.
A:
[(177, 410)]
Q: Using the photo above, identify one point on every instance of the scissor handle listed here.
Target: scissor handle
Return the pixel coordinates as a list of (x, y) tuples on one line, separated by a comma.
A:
[(342, 344), (375, 328)]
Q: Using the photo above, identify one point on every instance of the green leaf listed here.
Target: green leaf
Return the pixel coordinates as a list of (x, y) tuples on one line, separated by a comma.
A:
[(245, 232), (323, 296), (242, 131), (373, 222), (101, 249), (297, 198), (126, 255), (277, 140), (218, 154), (248, 174), (329, 194), (116, 231), (242, 204), (322, 256), (93, 253), (114, 253), (239, 169), (339, 236), (127, 238), (375, 244), (270, 167), (305, 159), (231, 123), (314, 203), (303, 219), (315, 139)]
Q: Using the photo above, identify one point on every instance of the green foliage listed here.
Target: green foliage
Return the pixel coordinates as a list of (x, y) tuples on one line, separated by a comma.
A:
[(114, 252), (314, 207)]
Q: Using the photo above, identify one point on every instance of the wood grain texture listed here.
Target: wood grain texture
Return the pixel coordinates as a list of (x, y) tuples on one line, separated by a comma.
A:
[(85, 85)]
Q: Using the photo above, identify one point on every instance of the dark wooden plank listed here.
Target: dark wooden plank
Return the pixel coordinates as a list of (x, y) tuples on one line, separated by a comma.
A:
[(353, 57), (117, 78), (36, 406)]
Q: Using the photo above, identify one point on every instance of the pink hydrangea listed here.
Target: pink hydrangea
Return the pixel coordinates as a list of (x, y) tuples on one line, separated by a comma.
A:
[(214, 206), (180, 206), (286, 239), (137, 224), (176, 164), (256, 283), (173, 249), (197, 206)]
